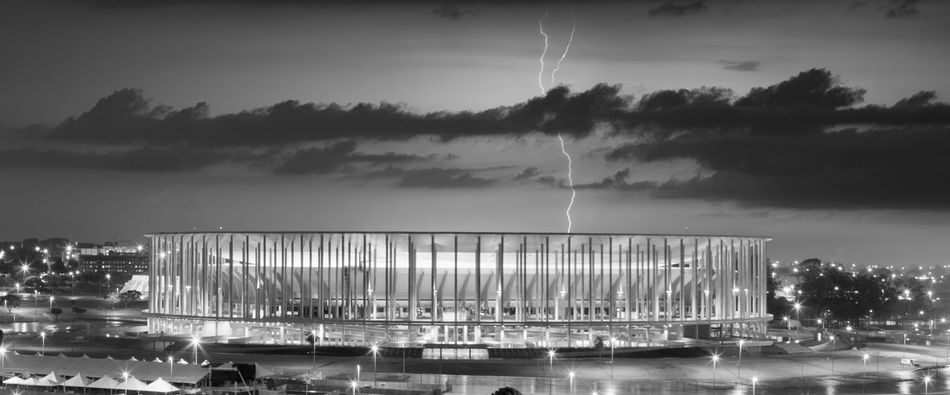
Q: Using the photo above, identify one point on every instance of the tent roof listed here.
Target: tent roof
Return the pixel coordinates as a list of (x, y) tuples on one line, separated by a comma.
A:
[(52, 378), (77, 381), (13, 380), (143, 370), (104, 382), (161, 386), (132, 384)]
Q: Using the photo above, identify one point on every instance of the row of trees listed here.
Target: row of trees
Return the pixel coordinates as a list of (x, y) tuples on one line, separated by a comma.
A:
[(828, 291)]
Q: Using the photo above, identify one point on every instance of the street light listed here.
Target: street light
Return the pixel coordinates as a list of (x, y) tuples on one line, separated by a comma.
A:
[(43, 336), (194, 343), (715, 358), (353, 385), (313, 341), (798, 315), (754, 380), (551, 359), (570, 376), (375, 349), (739, 370), (357, 373), (926, 384), (865, 357)]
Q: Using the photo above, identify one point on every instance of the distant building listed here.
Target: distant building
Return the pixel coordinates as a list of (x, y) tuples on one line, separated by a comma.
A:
[(106, 248), (114, 262)]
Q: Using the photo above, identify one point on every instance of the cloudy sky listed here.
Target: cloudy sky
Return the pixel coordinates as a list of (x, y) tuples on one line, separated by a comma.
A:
[(821, 124)]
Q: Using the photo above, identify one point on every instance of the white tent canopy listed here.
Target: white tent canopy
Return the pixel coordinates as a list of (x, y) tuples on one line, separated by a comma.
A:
[(105, 382), (53, 378), (148, 371), (161, 386), (76, 381), (13, 380), (132, 384)]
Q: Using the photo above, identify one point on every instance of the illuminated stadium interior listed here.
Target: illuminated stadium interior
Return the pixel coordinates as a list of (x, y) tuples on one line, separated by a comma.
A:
[(410, 289)]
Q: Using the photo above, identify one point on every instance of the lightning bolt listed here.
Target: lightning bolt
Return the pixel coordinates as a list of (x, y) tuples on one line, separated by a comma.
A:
[(570, 163), (567, 48), (570, 179), (545, 52)]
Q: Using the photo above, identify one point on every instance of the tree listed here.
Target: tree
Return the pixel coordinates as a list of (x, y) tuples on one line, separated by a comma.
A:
[(599, 346), (130, 296), (12, 301), (78, 311), (506, 391), (56, 311)]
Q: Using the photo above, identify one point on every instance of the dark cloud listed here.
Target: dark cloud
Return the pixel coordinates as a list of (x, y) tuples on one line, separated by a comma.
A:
[(443, 178), (673, 9), (901, 9), (746, 65), (455, 12), (804, 102), (619, 181), (334, 157), (127, 117), (879, 168), (527, 174), (816, 88), (149, 159)]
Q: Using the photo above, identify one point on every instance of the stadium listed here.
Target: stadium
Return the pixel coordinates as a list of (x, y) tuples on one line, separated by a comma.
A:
[(411, 289)]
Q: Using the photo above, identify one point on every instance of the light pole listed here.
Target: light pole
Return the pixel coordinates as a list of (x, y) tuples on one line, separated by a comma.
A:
[(194, 343), (375, 350), (353, 385), (739, 370), (51, 297), (570, 377), (43, 336), (926, 384), (551, 359), (715, 358), (357, 373), (313, 342), (864, 358), (754, 380), (833, 338), (798, 315), (612, 341), (171, 366)]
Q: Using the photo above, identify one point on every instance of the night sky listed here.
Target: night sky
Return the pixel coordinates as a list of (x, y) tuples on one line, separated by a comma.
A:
[(821, 124)]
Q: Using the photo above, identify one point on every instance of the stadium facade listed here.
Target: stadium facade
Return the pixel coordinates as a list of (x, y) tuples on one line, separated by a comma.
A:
[(494, 289)]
